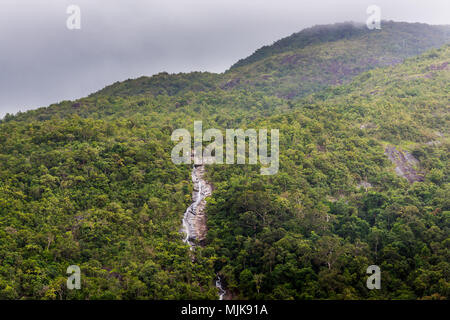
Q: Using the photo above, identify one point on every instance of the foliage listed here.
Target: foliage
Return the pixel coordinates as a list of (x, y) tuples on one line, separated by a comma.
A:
[(90, 182)]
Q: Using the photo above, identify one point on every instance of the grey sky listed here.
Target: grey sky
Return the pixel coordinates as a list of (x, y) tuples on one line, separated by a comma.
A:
[(42, 62)]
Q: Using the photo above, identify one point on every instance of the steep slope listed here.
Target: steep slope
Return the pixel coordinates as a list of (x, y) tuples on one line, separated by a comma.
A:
[(338, 204), (163, 84), (90, 182), (321, 56), (305, 62)]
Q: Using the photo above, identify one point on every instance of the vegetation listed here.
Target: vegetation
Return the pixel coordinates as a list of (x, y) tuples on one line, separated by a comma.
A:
[(90, 182), (318, 57), (337, 206)]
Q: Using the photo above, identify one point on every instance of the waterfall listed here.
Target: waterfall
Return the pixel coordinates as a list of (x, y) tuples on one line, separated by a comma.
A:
[(189, 215), (201, 190), (222, 292)]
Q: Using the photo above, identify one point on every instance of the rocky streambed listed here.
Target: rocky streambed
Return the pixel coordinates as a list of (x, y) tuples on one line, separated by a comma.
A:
[(194, 219)]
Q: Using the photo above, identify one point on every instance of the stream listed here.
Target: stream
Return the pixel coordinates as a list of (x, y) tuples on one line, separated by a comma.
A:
[(194, 218), (222, 291), (190, 216)]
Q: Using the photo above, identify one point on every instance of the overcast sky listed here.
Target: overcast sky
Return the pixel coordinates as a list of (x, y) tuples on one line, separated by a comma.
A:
[(43, 62)]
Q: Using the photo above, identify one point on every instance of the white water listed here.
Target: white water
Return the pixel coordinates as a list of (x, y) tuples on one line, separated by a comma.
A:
[(189, 215), (200, 193), (222, 292)]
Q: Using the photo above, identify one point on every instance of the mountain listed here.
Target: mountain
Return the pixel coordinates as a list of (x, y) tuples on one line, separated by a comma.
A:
[(363, 178), (163, 84), (305, 62), (421, 35), (318, 57)]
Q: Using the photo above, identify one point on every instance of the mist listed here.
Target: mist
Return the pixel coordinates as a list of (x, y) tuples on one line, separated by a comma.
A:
[(44, 62)]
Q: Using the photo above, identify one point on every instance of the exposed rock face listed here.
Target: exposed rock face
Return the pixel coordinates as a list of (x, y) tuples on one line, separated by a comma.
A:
[(368, 126), (404, 164), (194, 220), (364, 184), (435, 142), (199, 222)]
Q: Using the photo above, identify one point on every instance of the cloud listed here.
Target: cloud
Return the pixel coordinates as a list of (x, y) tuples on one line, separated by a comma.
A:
[(42, 62)]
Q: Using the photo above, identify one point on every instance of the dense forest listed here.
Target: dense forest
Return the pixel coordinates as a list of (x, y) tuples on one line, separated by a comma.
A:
[(337, 204), (363, 180)]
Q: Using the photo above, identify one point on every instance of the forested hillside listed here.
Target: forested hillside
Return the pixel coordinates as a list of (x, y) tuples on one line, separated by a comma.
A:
[(337, 204), (363, 178), (321, 56)]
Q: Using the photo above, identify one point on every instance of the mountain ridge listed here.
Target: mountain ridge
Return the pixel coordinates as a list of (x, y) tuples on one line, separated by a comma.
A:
[(91, 183), (323, 33), (299, 64), (354, 49)]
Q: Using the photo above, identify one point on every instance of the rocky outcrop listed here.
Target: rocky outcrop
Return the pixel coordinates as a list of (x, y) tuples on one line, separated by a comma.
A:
[(405, 164), (194, 219), (199, 226)]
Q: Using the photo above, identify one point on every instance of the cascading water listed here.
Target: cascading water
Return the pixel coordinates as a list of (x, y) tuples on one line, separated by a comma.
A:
[(189, 215), (222, 291), (190, 222)]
